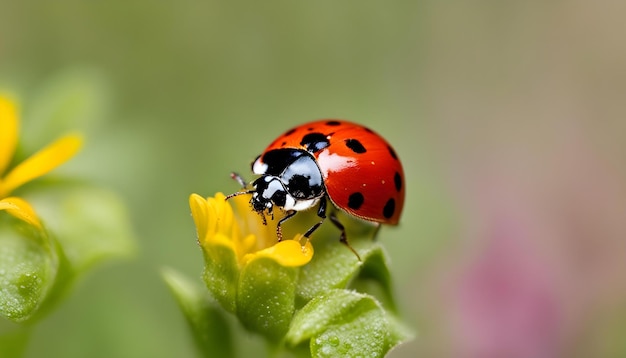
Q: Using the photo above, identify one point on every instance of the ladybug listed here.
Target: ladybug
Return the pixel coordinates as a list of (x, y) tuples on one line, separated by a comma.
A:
[(347, 163)]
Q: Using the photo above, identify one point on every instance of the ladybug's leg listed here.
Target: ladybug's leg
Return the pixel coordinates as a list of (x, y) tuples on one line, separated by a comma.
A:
[(343, 239), (321, 212), (279, 230)]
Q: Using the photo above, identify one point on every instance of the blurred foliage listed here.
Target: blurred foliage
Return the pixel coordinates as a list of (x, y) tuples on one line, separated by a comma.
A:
[(208, 323), (62, 226)]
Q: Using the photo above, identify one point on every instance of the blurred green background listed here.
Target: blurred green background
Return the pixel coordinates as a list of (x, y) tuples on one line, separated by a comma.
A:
[(508, 116)]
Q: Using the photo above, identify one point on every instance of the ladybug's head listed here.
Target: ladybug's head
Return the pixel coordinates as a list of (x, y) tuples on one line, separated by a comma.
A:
[(289, 178), (268, 191)]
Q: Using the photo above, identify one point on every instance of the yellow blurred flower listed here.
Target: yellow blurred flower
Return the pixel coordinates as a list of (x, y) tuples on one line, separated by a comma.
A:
[(35, 166), (243, 232)]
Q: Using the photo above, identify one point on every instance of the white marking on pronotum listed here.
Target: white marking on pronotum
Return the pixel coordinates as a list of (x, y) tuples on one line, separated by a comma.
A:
[(333, 162), (259, 167)]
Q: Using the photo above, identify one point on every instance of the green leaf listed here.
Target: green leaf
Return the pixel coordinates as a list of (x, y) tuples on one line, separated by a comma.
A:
[(208, 324), (221, 274), (334, 266), (265, 300), (375, 278), (28, 268), (322, 311), (346, 323), (91, 224)]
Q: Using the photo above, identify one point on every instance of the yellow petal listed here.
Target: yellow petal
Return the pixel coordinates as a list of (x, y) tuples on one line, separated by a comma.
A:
[(198, 207), (21, 209), (42, 162), (223, 217), (289, 253), (8, 131), (212, 216)]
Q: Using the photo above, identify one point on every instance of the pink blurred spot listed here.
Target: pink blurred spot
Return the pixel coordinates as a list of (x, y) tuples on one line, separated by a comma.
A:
[(506, 303)]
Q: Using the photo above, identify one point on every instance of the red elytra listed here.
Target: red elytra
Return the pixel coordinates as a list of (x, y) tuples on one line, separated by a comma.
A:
[(362, 172)]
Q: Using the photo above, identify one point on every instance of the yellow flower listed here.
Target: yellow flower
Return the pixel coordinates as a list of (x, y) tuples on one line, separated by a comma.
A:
[(246, 269), (243, 232), (37, 165)]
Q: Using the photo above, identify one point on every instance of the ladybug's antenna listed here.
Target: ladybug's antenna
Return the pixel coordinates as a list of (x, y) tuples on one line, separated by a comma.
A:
[(239, 193), (241, 182)]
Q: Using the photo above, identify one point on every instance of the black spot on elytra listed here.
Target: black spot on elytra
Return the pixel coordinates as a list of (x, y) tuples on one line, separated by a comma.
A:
[(392, 152), (397, 179), (368, 130), (333, 123), (389, 209), (356, 146), (310, 129), (355, 200), (289, 132), (283, 144), (314, 142)]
